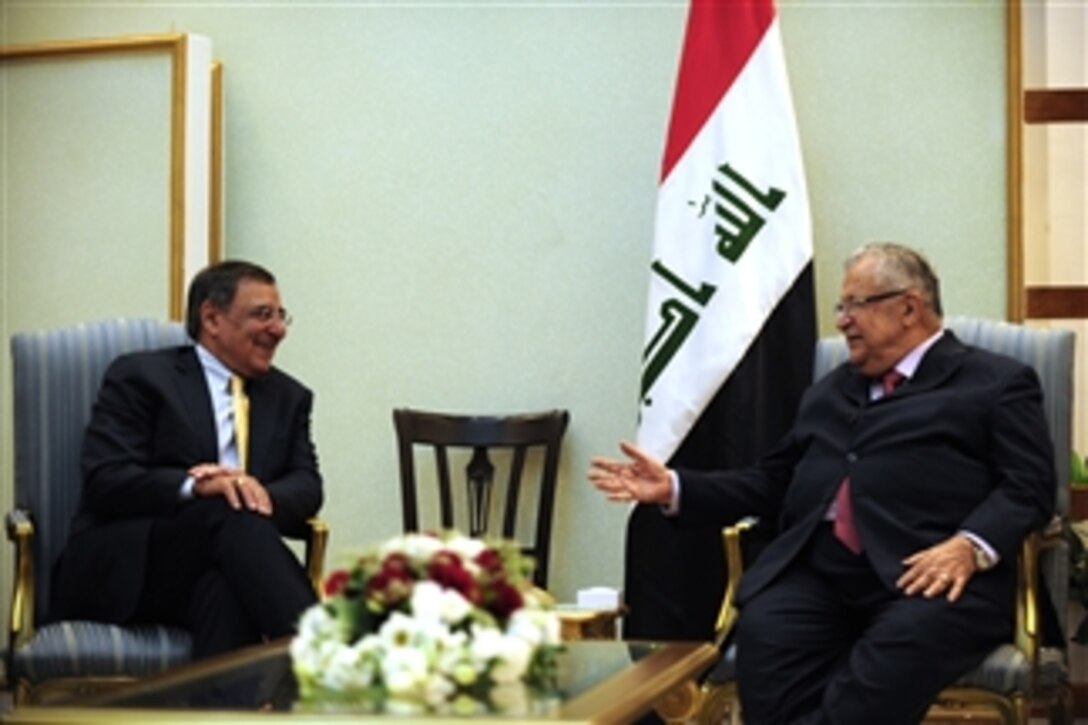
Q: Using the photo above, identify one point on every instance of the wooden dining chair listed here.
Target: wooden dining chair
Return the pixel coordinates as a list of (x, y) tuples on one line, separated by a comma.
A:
[(487, 446)]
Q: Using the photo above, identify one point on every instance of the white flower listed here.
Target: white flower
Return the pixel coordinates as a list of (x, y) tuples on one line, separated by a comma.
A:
[(485, 645), (306, 657), (455, 661), (463, 673), (513, 660), (535, 627), (404, 671), (468, 549), (511, 698), (418, 547), (455, 608), (399, 631), (444, 646), (426, 601), (350, 668), (437, 689), (505, 658), (319, 639), (432, 603), (318, 623)]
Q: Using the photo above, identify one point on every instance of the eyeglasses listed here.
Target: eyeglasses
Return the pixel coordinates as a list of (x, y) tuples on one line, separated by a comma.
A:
[(265, 314), (852, 305)]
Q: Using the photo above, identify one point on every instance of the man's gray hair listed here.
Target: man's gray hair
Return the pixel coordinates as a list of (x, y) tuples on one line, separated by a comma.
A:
[(900, 267)]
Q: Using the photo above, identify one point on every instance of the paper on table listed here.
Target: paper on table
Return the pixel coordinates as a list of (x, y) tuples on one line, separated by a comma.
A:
[(598, 598)]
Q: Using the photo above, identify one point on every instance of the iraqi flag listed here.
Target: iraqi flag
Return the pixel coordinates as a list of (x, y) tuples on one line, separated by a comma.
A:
[(730, 325)]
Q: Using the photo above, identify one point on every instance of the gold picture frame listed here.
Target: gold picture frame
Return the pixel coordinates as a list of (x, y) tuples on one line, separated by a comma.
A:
[(176, 47)]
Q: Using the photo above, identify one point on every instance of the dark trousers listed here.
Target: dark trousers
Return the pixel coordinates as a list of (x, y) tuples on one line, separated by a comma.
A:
[(224, 575), (826, 642)]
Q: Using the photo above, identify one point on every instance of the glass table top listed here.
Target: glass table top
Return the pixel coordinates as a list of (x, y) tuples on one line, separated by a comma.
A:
[(596, 680)]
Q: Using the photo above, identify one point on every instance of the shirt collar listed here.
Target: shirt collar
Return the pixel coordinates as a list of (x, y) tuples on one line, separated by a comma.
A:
[(909, 363), (217, 373)]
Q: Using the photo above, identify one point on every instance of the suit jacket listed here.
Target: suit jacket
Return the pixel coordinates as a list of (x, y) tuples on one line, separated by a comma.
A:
[(152, 421), (962, 445)]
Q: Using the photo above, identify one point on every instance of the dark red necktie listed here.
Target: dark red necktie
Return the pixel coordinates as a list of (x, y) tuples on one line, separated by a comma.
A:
[(845, 530)]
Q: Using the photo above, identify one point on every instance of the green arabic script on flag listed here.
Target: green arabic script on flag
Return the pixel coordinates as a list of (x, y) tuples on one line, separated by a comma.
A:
[(736, 225)]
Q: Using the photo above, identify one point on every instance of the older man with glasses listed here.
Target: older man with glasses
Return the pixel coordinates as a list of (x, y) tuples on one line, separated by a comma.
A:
[(901, 496), (196, 461)]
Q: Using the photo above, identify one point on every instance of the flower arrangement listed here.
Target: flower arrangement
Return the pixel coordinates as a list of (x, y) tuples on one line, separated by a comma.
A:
[(436, 622)]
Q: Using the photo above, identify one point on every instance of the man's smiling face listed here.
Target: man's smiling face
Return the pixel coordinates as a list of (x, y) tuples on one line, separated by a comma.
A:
[(244, 336)]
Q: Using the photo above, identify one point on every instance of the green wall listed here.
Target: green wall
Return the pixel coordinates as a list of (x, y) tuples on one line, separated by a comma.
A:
[(458, 200)]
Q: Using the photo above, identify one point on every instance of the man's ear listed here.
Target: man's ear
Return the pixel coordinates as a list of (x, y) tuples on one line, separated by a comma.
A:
[(209, 317), (915, 307)]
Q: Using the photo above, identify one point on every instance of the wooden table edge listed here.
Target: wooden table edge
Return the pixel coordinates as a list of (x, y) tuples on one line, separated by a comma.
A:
[(632, 692)]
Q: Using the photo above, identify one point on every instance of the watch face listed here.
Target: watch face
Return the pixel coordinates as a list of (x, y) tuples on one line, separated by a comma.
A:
[(982, 562)]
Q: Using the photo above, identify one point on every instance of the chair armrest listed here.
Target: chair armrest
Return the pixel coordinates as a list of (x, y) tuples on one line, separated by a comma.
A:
[(1028, 636), (21, 534), (317, 540), (734, 564)]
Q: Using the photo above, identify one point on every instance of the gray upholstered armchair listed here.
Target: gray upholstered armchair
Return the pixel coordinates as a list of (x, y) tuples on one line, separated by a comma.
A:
[(1023, 672), (56, 375)]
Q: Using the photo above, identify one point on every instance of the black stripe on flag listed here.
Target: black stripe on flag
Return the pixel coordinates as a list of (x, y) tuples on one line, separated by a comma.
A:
[(674, 578)]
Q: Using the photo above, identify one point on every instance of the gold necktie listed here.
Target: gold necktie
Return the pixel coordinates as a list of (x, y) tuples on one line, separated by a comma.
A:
[(241, 418)]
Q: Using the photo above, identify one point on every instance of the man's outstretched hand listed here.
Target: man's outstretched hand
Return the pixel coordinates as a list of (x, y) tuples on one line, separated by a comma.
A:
[(643, 478)]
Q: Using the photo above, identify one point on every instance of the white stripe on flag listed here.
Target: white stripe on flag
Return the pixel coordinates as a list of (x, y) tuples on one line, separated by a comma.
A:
[(704, 278)]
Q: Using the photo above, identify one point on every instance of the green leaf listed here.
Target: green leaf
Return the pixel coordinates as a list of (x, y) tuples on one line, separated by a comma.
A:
[(1078, 468)]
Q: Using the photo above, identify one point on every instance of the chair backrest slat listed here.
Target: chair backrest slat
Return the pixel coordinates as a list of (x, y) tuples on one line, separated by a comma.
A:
[(442, 464), (513, 492)]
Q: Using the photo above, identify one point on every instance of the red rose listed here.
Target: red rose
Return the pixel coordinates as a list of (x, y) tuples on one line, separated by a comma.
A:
[(447, 571), (397, 564), (336, 582), (490, 561), (503, 598), (393, 582), (388, 591)]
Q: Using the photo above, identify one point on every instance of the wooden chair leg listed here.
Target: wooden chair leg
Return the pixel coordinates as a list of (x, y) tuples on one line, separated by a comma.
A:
[(719, 702)]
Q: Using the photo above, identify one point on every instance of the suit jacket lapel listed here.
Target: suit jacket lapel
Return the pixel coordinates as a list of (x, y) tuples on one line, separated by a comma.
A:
[(261, 426), (197, 403), (940, 362), (854, 386)]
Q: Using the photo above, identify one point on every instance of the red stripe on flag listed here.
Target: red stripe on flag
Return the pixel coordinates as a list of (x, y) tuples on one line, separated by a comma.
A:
[(721, 36)]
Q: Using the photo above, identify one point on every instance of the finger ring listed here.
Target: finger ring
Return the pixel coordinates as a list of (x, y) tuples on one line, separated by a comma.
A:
[(238, 482)]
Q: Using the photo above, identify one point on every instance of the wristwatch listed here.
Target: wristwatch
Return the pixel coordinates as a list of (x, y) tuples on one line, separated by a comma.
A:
[(983, 562)]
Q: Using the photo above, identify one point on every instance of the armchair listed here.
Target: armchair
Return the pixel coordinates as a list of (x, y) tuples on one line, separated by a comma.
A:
[(1024, 672), (56, 375)]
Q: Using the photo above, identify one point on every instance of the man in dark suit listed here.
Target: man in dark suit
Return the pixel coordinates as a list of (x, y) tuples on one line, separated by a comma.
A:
[(180, 520), (900, 510)]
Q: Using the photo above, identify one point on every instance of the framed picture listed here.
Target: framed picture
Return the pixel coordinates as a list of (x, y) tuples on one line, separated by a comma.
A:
[(113, 167)]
